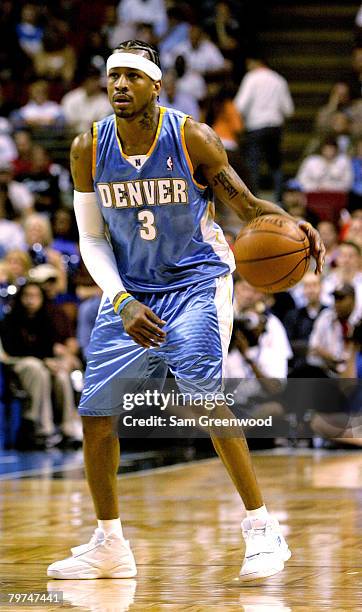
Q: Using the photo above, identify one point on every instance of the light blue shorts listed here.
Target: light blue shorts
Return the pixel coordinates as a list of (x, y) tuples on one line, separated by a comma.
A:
[(198, 327)]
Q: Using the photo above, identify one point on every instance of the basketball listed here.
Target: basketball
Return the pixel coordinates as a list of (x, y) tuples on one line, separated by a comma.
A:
[(272, 253)]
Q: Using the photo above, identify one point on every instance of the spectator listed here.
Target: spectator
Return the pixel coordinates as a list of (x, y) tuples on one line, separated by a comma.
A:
[(355, 196), (329, 235), (38, 236), (94, 53), (7, 145), (11, 233), (347, 270), (28, 30), (329, 338), (144, 11), (39, 111), (32, 347), (264, 101), (354, 232), (86, 103), (18, 195), (189, 80), (177, 33), (339, 100), (294, 201), (24, 145), (327, 171), (41, 182), (18, 263), (343, 424), (299, 321), (171, 98), (201, 54), (115, 30), (56, 61)]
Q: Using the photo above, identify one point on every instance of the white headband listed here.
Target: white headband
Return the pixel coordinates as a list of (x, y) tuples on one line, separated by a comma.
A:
[(133, 60)]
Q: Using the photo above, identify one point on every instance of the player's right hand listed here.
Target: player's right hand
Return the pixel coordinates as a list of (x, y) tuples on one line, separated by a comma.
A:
[(142, 324)]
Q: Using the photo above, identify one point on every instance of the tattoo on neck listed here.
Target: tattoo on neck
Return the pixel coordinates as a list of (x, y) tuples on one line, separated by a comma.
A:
[(148, 121), (222, 179)]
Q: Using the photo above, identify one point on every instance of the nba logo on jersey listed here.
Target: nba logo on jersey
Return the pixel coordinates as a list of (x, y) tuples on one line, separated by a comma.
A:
[(169, 163)]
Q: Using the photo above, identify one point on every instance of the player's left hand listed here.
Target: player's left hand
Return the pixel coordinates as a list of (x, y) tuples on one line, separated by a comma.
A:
[(316, 244)]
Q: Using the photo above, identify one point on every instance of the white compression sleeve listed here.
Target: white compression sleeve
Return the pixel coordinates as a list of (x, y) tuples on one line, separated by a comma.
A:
[(95, 249)]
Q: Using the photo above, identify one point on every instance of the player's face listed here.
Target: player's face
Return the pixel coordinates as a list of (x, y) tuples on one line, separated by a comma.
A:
[(130, 91)]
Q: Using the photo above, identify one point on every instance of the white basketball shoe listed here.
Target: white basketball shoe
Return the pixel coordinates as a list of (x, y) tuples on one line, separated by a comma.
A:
[(266, 549), (102, 557)]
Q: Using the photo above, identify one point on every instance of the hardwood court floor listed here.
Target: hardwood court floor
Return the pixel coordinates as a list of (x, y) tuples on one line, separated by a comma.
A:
[(183, 523)]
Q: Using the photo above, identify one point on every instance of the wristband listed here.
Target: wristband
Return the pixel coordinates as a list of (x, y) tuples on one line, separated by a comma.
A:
[(119, 302), (124, 303)]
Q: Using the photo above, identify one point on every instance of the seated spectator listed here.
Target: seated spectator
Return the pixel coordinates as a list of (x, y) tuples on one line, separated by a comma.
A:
[(39, 111), (114, 29), (18, 195), (225, 31), (226, 121), (329, 235), (327, 171), (189, 80), (354, 231), (32, 347), (41, 182), (28, 30), (355, 196), (347, 270), (328, 341), (18, 263), (343, 424), (86, 103), (299, 321), (201, 54), (38, 236), (339, 100), (171, 98), (11, 232), (144, 11), (294, 201), (24, 145), (245, 297), (258, 357), (340, 130), (7, 145), (56, 61), (177, 33), (66, 242), (94, 53)]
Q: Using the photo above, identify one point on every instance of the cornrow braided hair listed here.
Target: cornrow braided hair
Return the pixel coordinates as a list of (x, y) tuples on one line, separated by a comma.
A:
[(140, 45)]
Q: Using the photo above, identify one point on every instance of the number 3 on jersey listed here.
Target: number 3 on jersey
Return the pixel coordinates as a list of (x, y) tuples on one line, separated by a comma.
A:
[(147, 229)]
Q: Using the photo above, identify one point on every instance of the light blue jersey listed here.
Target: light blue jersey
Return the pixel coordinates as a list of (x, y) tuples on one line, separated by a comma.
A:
[(160, 220), (172, 257)]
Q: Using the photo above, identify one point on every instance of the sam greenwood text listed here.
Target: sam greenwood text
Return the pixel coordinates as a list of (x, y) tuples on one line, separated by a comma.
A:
[(202, 421)]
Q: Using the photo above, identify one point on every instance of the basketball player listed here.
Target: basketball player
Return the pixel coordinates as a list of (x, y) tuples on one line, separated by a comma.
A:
[(147, 174)]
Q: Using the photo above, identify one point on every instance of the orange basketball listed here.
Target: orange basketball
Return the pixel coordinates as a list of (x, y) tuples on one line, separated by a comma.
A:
[(272, 253)]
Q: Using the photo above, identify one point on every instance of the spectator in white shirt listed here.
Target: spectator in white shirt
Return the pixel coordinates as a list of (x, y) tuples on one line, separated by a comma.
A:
[(264, 101), (86, 103), (200, 53), (179, 100), (327, 171), (348, 270), (152, 12), (39, 110)]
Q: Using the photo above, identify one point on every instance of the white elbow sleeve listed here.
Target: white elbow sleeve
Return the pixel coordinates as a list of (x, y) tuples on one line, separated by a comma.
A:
[(95, 249)]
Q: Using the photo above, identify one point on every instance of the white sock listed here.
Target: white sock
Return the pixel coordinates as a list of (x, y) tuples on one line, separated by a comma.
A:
[(111, 526), (260, 514)]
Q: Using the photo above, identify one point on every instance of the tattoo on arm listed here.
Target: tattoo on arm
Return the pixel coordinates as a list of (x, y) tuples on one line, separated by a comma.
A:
[(213, 139), (223, 179)]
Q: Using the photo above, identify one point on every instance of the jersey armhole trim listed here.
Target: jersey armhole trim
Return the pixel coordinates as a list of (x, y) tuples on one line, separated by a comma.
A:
[(187, 156), (94, 148)]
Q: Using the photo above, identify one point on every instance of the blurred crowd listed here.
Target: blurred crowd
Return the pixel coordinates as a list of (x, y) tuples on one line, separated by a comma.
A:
[(52, 86)]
